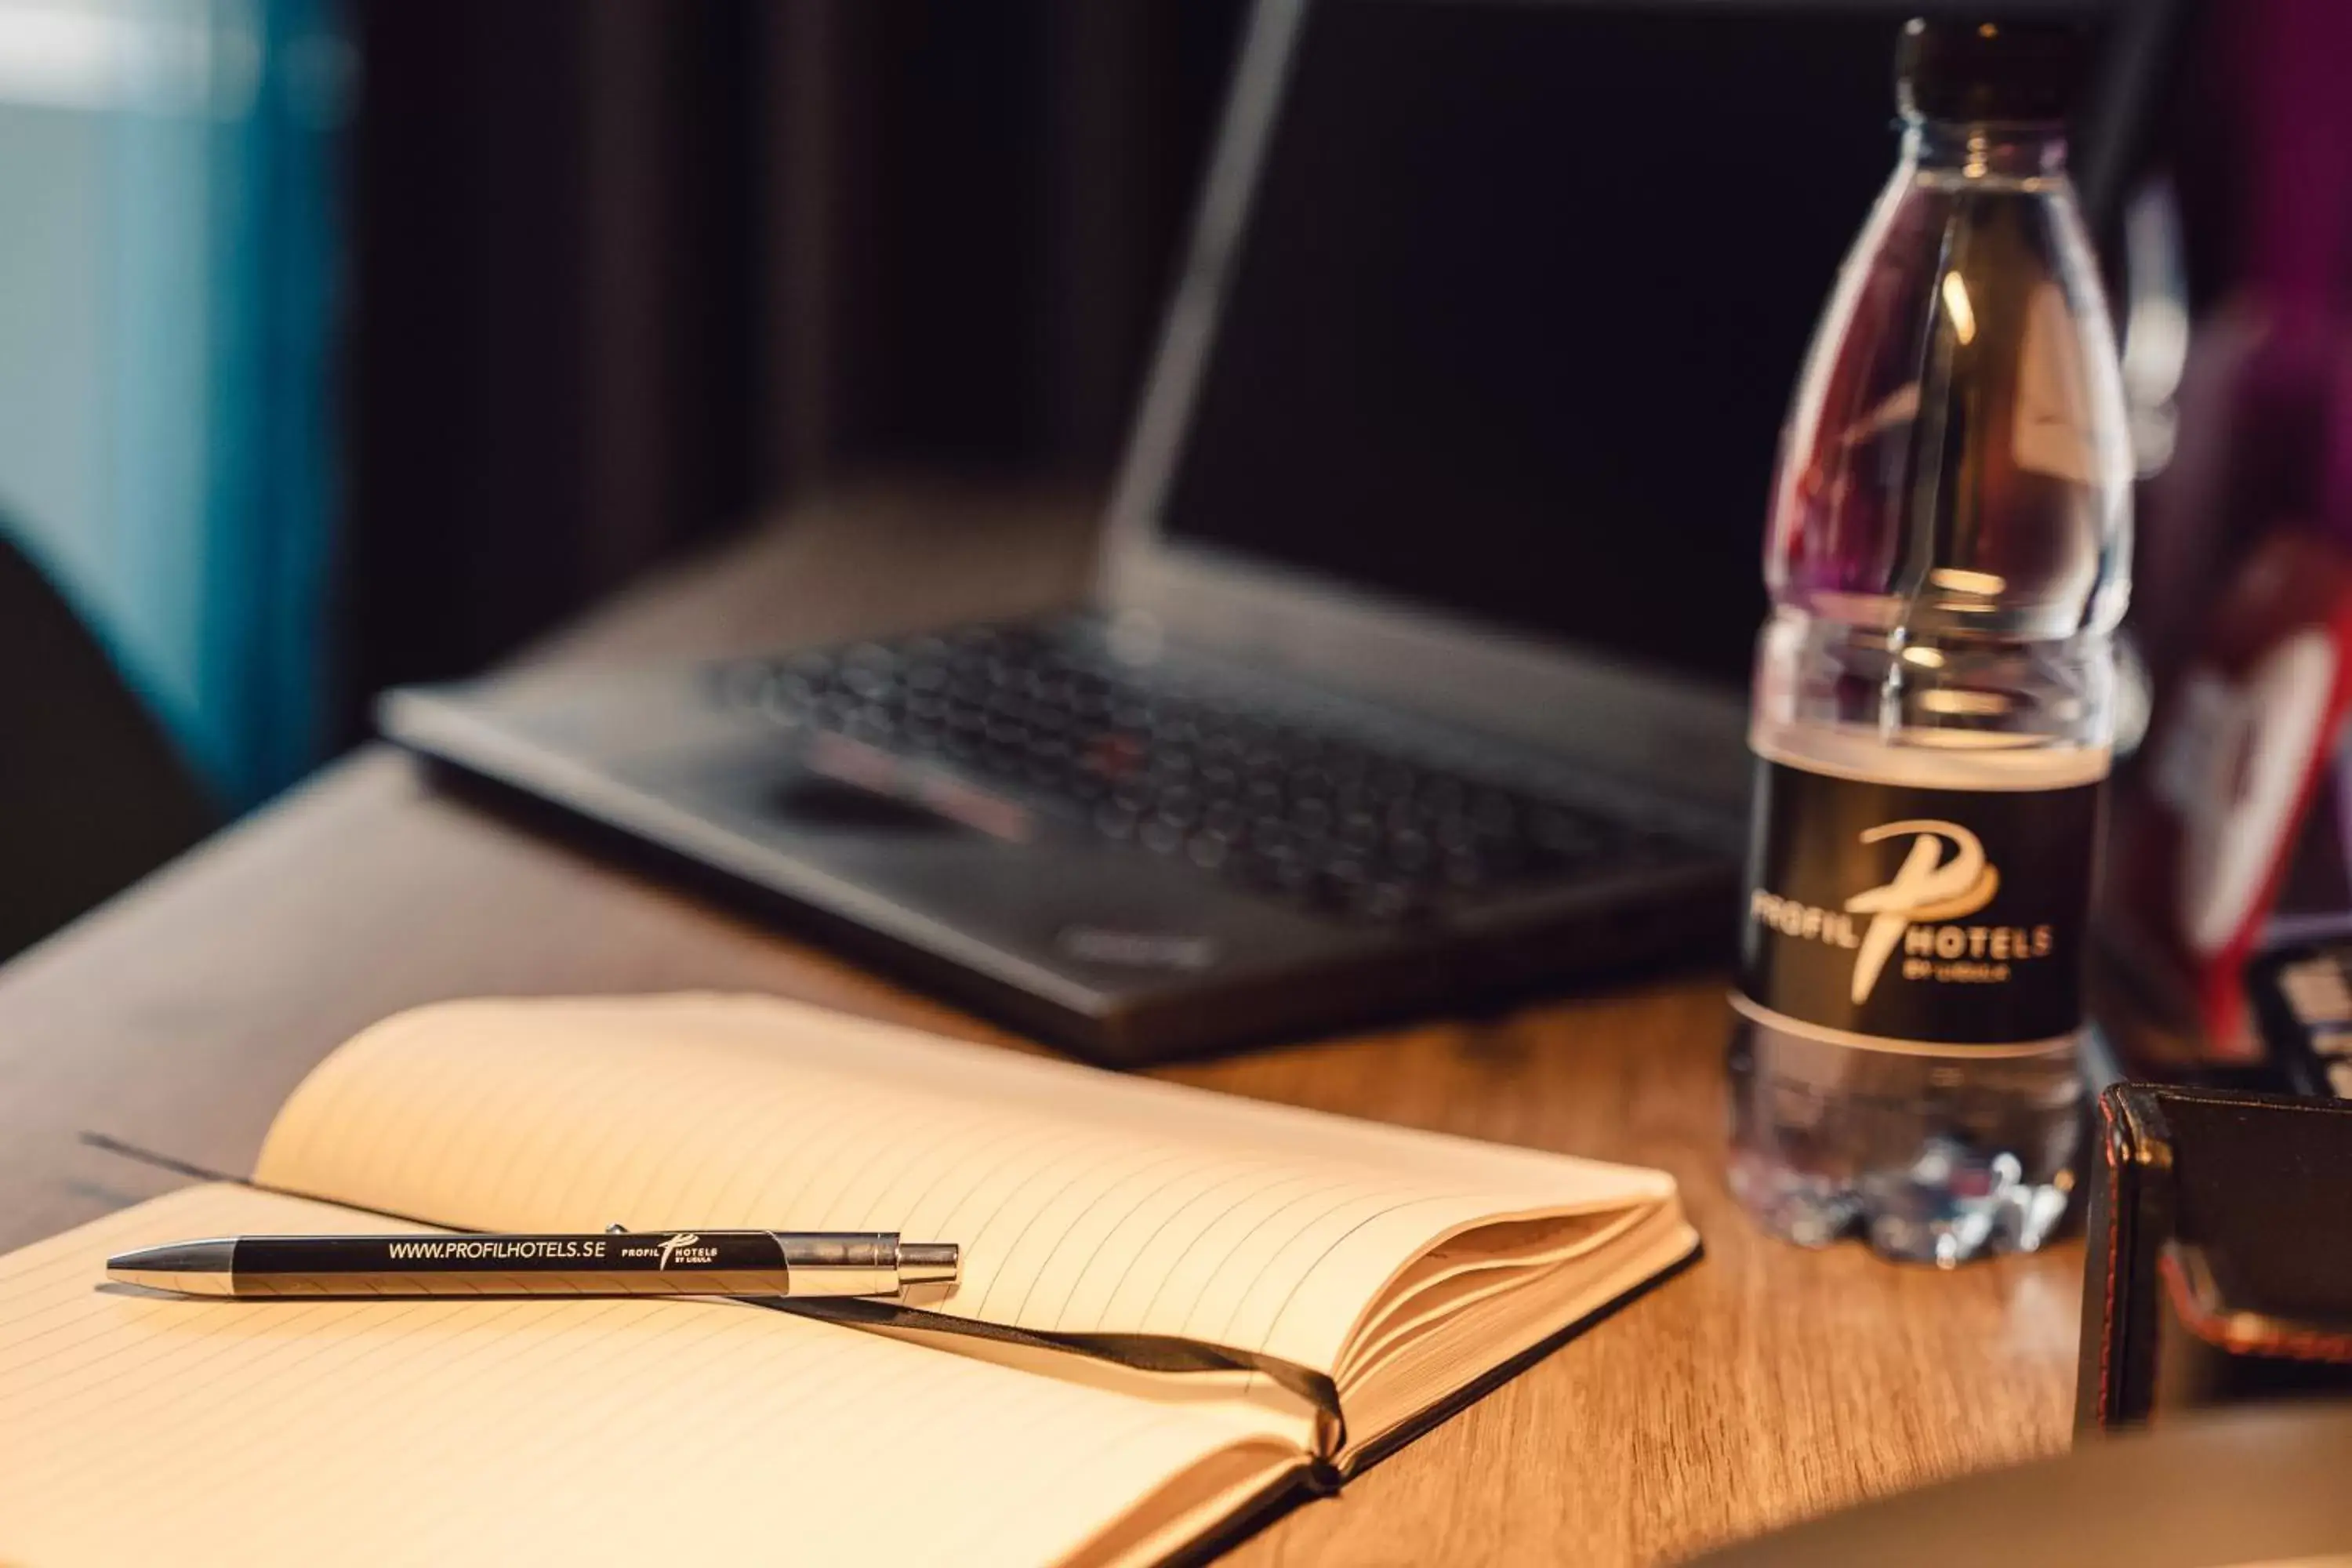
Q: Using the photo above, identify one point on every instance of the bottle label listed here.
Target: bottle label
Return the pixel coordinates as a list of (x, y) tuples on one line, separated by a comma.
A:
[(1895, 917)]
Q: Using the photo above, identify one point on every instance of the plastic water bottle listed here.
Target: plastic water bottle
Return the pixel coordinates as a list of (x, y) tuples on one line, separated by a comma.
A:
[(1948, 554)]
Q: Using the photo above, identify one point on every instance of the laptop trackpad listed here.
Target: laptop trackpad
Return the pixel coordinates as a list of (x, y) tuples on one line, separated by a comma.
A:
[(1078, 905), (814, 802)]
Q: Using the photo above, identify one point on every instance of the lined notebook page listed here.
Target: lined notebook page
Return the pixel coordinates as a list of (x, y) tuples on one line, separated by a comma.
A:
[(139, 1429), (1083, 1200)]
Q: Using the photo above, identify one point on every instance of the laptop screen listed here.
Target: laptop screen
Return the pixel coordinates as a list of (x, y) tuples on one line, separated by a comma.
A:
[(1519, 306)]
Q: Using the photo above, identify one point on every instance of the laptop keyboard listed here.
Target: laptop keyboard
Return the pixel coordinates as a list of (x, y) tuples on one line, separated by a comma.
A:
[(1303, 812)]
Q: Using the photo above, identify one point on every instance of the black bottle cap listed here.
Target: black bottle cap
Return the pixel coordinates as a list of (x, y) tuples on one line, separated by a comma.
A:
[(1947, 68)]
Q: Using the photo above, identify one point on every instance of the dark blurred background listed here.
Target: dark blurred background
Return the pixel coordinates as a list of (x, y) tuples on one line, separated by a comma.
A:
[(627, 273)]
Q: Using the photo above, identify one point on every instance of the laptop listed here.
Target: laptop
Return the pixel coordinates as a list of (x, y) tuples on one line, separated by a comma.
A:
[(1415, 669)]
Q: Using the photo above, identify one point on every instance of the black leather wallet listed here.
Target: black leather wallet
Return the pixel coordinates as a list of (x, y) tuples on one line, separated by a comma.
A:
[(2220, 1263)]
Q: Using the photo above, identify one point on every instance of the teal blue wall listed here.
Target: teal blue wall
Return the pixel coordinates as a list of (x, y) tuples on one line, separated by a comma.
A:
[(167, 307)]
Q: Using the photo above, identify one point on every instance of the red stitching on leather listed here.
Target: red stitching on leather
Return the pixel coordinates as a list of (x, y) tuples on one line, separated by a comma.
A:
[(2294, 1343), (2115, 1199)]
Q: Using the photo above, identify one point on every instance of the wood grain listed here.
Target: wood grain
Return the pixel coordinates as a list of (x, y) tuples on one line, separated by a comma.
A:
[(1766, 1384)]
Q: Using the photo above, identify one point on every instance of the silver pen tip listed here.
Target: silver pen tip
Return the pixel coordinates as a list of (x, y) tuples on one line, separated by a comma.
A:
[(192, 1267), (928, 1262)]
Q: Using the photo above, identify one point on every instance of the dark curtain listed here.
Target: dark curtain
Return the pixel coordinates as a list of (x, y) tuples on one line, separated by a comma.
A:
[(628, 273)]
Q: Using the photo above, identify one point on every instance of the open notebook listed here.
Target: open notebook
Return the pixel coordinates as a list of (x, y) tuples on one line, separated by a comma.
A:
[(1407, 1266)]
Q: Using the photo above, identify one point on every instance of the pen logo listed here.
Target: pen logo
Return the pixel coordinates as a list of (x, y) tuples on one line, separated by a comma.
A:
[(684, 1247), (1927, 888)]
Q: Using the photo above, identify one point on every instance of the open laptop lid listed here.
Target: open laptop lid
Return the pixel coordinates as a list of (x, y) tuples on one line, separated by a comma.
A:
[(1469, 394)]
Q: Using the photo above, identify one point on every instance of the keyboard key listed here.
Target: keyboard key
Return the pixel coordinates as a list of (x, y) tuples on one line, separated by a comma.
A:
[(1387, 901)]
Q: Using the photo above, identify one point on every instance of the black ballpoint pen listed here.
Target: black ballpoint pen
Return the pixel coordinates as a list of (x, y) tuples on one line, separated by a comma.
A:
[(613, 1263)]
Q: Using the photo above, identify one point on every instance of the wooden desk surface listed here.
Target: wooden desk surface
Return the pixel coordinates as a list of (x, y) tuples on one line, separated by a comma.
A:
[(1766, 1384)]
